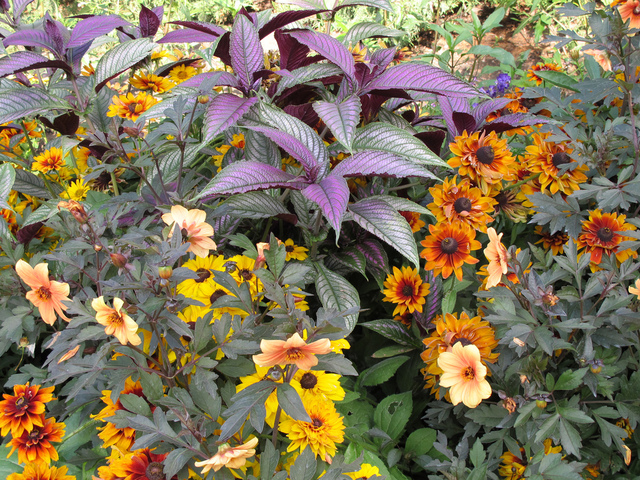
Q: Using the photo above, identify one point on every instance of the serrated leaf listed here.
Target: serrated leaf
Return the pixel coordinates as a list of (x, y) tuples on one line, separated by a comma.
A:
[(363, 30), (332, 196), (382, 371), (89, 29), (253, 205), (289, 400), (383, 164), (342, 118), (42, 213), (121, 58), (245, 49), (570, 379), (223, 112), (378, 217), (243, 403), (175, 461), (570, 438), (22, 102), (328, 47), (135, 404), (335, 292)]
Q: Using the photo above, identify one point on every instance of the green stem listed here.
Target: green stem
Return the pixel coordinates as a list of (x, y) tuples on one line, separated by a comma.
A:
[(522, 182)]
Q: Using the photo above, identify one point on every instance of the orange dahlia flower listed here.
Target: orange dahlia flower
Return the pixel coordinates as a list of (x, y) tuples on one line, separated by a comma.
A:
[(291, 351), (448, 248), (35, 446), (600, 235), (140, 465), (230, 457), (193, 227), (552, 241), (41, 471), (464, 373), (406, 289), (497, 255), (630, 10), (24, 409), (45, 294), (116, 321)]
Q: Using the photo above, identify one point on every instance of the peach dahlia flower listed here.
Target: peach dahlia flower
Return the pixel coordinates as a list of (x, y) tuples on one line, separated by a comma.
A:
[(45, 294), (193, 227), (291, 351)]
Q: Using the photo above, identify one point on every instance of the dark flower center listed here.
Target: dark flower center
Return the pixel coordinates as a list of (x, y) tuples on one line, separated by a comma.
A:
[(203, 274), (407, 290), (246, 274), (317, 422), (469, 373), (462, 205), (502, 200), (463, 341), (449, 245), (155, 471), (21, 402), (560, 158), (132, 107), (485, 155), (185, 234), (43, 293), (308, 381), (636, 11), (34, 434), (605, 234), (528, 102), (216, 295), (289, 248)]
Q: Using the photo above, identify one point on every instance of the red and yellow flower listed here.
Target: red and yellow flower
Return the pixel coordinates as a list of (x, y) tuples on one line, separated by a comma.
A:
[(541, 67), (448, 248), (600, 235), (406, 289), (552, 241), (23, 410), (461, 202), (35, 446), (130, 106)]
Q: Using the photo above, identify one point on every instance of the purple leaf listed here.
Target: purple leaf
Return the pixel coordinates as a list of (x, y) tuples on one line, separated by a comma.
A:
[(204, 27), (18, 8), (485, 108), (219, 78), (383, 164), (23, 102), (363, 30), (383, 57), (341, 118), (245, 49), (247, 176), (332, 196), (293, 54), (306, 4), (188, 36), (223, 228), (159, 12), (378, 217), (328, 47), (66, 124), (450, 105), (383, 4), (24, 60), (89, 29), (508, 122), (377, 260), (304, 112), (30, 38), (424, 78), (164, 70), (121, 58), (55, 31), (433, 140), (223, 112), (285, 18), (463, 121), (75, 55), (149, 22), (306, 74)]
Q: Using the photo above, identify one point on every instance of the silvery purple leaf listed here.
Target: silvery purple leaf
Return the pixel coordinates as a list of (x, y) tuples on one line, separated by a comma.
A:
[(56, 32), (204, 27), (121, 58), (363, 30), (335, 292), (293, 54), (378, 217), (89, 29), (247, 56), (306, 4), (188, 36), (383, 57), (424, 78), (516, 120), (24, 60), (285, 18), (383, 4), (18, 8), (159, 12), (377, 260), (223, 112), (328, 47), (246, 176), (30, 38), (341, 118), (383, 164), (74, 55), (307, 74), (223, 228), (23, 102), (149, 22), (332, 196), (450, 105), (481, 111), (276, 118), (217, 78)]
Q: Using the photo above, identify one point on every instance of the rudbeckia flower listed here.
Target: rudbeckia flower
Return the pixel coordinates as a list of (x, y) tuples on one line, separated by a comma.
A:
[(406, 289), (600, 234), (46, 294), (291, 351), (130, 106), (448, 248), (35, 446), (49, 160), (24, 409), (541, 67)]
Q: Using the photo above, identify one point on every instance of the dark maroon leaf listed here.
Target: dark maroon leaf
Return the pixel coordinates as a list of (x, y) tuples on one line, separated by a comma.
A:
[(30, 38), (55, 32), (22, 78), (383, 164), (377, 260), (28, 233), (223, 112), (332, 196), (222, 50), (247, 176), (423, 78), (304, 112), (4, 6), (66, 124), (24, 60), (293, 54), (204, 27), (433, 139), (508, 122), (97, 151), (149, 22), (247, 56), (75, 54), (364, 73), (219, 78), (285, 18), (463, 121), (89, 29), (383, 57), (328, 47), (187, 36)]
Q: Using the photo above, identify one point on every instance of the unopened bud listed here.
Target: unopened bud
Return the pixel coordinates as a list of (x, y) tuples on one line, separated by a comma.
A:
[(165, 272), (132, 132), (97, 248), (172, 306), (203, 99), (118, 260), (76, 209), (164, 282)]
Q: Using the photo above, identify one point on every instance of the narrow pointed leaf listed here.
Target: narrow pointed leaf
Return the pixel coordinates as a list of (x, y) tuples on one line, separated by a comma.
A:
[(204, 27), (423, 78), (260, 148), (449, 106), (291, 403), (246, 176), (30, 38), (385, 137), (341, 118), (121, 58), (253, 205), (7, 177), (383, 164), (285, 18), (307, 4), (91, 28), (18, 7), (481, 111), (335, 292), (216, 78), (24, 102), (149, 22), (516, 120), (328, 47), (186, 35), (332, 196), (247, 56), (363, 30), (170, 162), (306, 74), (378, 217), (223, 112), (24, 60)]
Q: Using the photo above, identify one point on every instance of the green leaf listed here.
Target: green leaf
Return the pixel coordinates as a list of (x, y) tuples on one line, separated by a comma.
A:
[(381, 372), (135, 404), (7, 177), (570, 438), (304, 468), (169, 163), (44, 212), (121, 58), (291, 403), (391, 351), (22, 102), (420, 441), (559, 79), (152, 385), (269, 459), (496, 52), (392, 414), (334, 291), (175, 461), (252, 205), (570, 379), (477, 454)]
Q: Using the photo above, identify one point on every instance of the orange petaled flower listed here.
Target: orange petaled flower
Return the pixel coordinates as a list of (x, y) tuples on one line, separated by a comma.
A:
[(406, 289), (46, 294), (130, 106), (552, 241), (158, 84), (485, 159), (415, 222), (193, 227), (541, 67), (497, 255), (512, 467), (321, 434), (635, 290), (51, 159), (116, 321), (630, 10), (461, 203), (507, 203), (464, 373), (230, 457), (600, 56), (448, 248), (140, 465), (24, 409), (35, 446), (545, 158), (292, 351), (600, 235), (41, 471)]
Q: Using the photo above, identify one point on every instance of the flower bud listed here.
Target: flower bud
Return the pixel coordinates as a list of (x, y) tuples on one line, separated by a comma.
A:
[(132, 132), (76, 209), (203, 99), (97, 248), (165, 272), (172, 306), (118, 260)]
